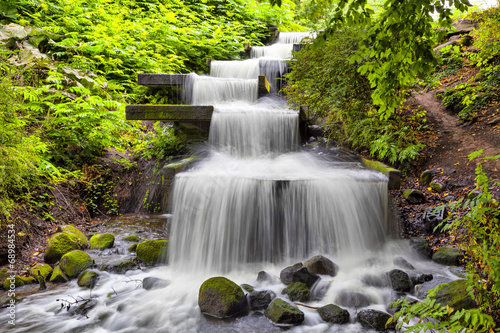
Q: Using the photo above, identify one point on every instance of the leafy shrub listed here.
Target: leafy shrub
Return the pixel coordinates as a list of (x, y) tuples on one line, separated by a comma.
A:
[(163, 143), (323, 78)]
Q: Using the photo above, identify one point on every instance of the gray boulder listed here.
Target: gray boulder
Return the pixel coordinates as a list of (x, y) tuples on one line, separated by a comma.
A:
[(303, 275), (375, 320), (260, 300), (151, 282), (88, 279), (353, 299), (321, 265), (334, 314), (455, 295), (400, 281), (286, 275)]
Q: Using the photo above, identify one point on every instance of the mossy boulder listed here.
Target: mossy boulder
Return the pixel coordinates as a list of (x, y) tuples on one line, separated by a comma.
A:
[(400, 280), (58, 275), (102, 241), (131, 238), (75, 234), (414, 197), (297, 291), (152, 251), (88, 279), (374, 319), (4, 273), (334, 314), (283, 314), (132, 248), (222, 298), (58, 245), (120, 268), (426, 177), (19, 281), (45, 270), (75, 262), (447, 256), (455, 295), (437, 187)]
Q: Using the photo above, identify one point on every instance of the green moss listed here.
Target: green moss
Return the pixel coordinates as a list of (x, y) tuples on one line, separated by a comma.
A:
[(222, 298), (102, 241), (75, 234), (131, 238), (58, 275), (19, 281), (394, 175), (132, 248), (88, 279), (152, 251), (437, 187), (334, 314), (3, 275), (297, 291), (75, 262), (447, 256), (58, 245), (45, 270), (455, 295), (282, 313)]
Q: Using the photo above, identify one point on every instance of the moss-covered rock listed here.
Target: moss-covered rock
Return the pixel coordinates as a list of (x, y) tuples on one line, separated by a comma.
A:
[(374, 319), (131, 238), (283, 314), (426, 177), (58, 245), (58, 275), (437, 187), (297, 291), (75, 262), (334, 314), (44, 269), (455, 295), (246, 287), (152, 251), (120, 268), (3, 275), (102, 241), (133, 247), (18, 281), (75, 234), (222, 298), (447, 256), (88, 279)]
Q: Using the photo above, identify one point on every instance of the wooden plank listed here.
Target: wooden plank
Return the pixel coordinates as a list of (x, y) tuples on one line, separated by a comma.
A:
[(169, 112)]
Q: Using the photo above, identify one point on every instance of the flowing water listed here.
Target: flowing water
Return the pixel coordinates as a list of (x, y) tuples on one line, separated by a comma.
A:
[(256, 202)]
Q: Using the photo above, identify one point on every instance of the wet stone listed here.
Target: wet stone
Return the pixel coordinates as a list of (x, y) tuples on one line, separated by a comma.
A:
[(353, 299), (334, 314), (151, 282), (283, 314), (376, 281), (400, 281), (297, 291), (321, 265), (414, 197), (260, 300), (286, 275), (303, 275), (403, 263), (264, 277), (447, 256), (246, 287), (374, 319)]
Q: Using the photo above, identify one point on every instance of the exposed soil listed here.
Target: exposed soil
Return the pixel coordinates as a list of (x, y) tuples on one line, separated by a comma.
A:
[(448, 145)]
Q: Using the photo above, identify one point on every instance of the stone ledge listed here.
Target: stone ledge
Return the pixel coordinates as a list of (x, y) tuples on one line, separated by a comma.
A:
[(394, 175), (153, 80), (169, 112)]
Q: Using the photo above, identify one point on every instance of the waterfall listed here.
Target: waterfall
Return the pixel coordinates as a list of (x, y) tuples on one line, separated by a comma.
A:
[(213, 90), (246, 69), (230, 211)]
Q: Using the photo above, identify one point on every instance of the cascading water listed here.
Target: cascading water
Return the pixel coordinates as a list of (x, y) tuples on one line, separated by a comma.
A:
[(255, 203)]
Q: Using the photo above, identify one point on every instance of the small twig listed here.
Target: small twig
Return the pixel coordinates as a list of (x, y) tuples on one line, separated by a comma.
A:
[(114, 291), (307, 306)]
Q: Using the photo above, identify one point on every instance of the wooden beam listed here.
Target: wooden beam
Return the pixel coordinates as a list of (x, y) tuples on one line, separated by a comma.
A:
[(169, 112)]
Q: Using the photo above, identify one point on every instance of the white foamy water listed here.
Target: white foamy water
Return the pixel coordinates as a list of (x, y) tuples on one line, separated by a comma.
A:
[(212, 90)]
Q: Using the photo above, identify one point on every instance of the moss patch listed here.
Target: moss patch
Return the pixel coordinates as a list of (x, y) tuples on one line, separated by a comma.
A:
[(45, 270), (455, 295), (75, 234), (222, 298), (75, 262), (58, 245), (58, 275), (19, 281), (102, 241), (88, 279), (152, 251), (131, 238), (297, 291), (283, 314)]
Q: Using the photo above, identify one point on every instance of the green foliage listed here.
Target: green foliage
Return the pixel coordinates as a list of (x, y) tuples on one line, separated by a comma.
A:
[(477, 230), (434, 317), (323, 78), (163, 143), (397, 44)]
